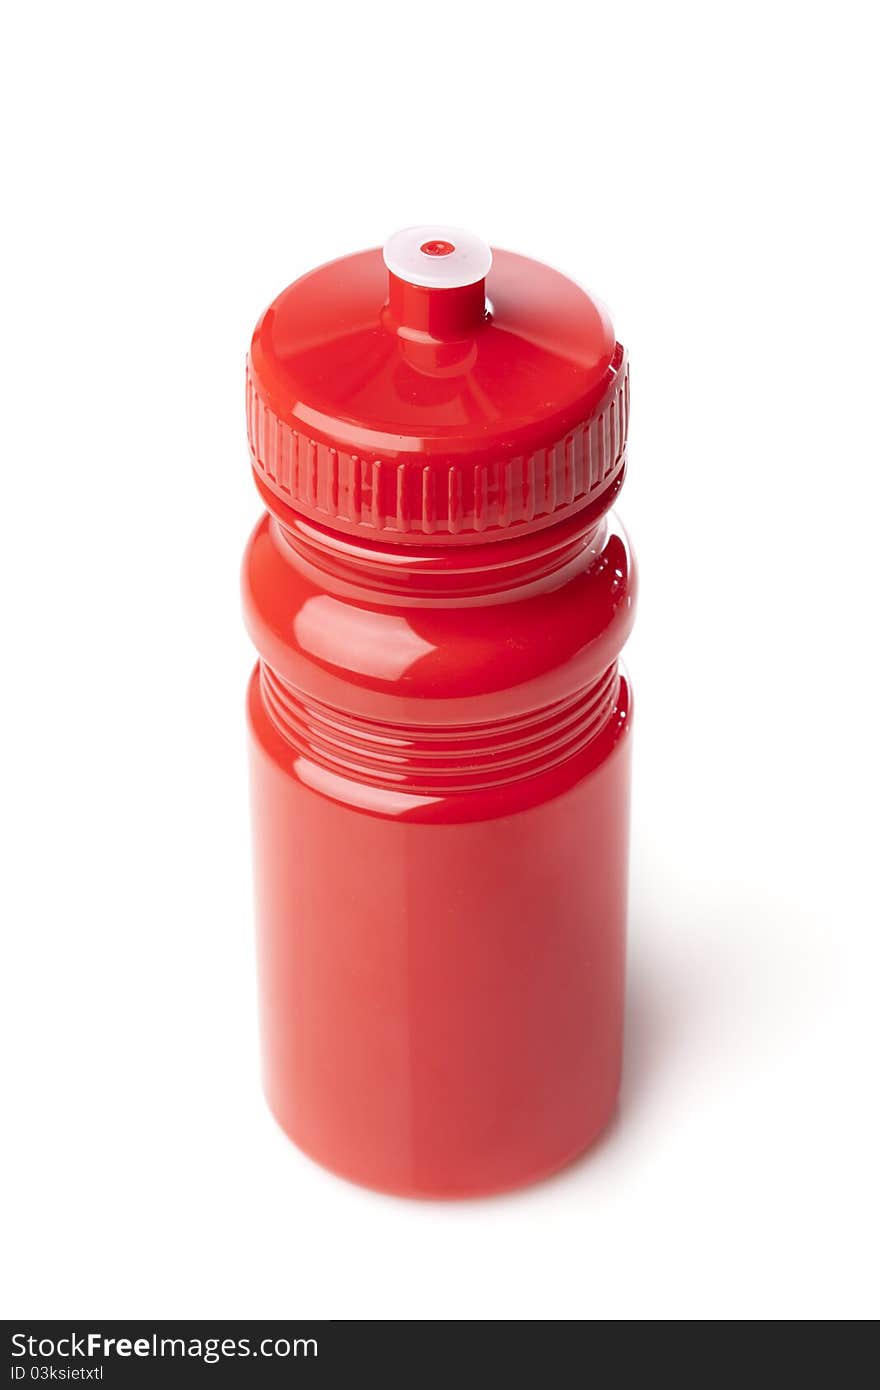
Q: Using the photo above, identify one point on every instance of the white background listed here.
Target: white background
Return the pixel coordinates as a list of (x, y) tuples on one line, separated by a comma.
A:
[(711, 172)]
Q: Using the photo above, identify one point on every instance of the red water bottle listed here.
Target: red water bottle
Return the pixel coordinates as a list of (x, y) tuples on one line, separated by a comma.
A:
[(439, 726)]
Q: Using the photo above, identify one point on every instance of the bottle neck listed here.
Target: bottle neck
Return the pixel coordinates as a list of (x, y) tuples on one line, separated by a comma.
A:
[(526, 562)]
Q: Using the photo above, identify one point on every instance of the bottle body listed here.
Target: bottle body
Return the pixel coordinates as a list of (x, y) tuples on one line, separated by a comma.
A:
[(440, 780)]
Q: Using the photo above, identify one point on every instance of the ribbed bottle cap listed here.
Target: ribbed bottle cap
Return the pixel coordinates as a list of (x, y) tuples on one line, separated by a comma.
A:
[(436, 392)]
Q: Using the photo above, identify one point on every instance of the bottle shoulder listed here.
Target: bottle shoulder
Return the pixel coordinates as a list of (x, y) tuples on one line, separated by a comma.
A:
[(500, 641)]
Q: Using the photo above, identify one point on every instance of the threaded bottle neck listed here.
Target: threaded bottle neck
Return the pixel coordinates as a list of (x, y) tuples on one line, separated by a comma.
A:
[(424, 574)]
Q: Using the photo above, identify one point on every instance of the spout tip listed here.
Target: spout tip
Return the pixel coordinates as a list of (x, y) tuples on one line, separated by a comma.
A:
[(437, 257)]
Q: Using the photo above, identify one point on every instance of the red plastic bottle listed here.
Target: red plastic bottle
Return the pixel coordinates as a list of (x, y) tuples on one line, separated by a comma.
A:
[(439, 728)]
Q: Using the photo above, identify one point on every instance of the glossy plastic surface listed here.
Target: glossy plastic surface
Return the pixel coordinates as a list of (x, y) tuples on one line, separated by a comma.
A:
[(440, 736)]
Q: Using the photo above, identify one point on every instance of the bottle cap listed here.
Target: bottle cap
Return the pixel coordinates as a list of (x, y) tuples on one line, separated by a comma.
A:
[(436, 392)]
